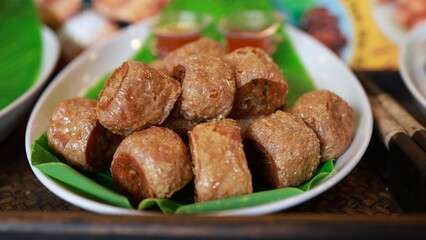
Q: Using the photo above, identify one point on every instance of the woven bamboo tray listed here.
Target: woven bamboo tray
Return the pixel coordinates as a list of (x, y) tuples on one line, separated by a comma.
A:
[(358, 206)]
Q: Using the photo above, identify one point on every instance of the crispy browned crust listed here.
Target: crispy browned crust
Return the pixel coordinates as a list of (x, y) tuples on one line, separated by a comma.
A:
[(330, 117), (152, 163), (101, 146), (136, 97), (261, 87), (129, 178), (245, 123), (158, 64), (220, 165), (78, 138), (179, 125), (208, 88), (204, 46), (291, 150)]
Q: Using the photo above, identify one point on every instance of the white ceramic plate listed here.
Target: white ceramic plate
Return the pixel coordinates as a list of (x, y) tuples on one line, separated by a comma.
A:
[(412, 62), (10, 115), (325, 68)]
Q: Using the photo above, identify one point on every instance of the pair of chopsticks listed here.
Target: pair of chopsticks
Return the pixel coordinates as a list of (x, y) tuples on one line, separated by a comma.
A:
[(393, 122), (410, 125), (405, 138)]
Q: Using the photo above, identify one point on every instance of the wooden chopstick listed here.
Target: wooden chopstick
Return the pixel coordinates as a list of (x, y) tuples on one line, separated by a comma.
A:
[(412, 127), (404, 170), (393, 134)]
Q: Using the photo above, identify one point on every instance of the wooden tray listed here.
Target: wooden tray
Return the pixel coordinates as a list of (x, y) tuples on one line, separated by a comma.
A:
[(359, 206)]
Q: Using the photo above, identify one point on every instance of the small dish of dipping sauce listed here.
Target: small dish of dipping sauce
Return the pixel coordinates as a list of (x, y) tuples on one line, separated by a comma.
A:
[(176, 28), (250, 28)]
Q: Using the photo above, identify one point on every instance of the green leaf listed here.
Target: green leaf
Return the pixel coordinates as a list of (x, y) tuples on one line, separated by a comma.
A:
[(324, 171), (93, 92), (20, 49), (49, 164), (100, 187), (41, 152), (166, 206), (103, 178), (249, 200), (68, 175), (241, 201), (294, 9), (298, 79)]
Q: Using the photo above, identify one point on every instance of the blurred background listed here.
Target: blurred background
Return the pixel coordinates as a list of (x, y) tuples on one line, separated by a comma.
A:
[(366, 34)]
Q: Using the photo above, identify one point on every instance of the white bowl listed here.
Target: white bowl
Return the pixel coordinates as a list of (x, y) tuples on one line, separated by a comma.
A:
[(10, 115), (412, 62), (326, 70)]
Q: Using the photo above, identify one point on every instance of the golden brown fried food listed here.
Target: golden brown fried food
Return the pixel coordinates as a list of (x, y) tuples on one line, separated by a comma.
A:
[(245, 123), (220, 165), (76, 136), (208, 88), (136, 97), (158, 64), (330, 117), (261, 87), (204, 46), (290, 149), (179, 125), (152, 163)]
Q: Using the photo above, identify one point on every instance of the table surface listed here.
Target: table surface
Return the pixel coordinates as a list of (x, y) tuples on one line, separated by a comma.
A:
[(361, 205)]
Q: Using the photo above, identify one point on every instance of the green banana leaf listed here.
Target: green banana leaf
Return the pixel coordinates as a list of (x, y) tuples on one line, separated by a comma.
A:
[(100, 187), (20, 49)]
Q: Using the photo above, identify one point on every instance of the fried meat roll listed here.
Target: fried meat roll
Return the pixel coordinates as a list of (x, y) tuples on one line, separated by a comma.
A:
[(136, 97), (245, 123), (76, 136), (261, 87), (158, 64), (152, 163), (330, 117), (204, 46), (208, 88), (220, 165), (179, 125), (290, 149)]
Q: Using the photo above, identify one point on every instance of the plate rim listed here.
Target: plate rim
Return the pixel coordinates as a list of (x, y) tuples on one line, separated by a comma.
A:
[(254, 210), (403, 62)]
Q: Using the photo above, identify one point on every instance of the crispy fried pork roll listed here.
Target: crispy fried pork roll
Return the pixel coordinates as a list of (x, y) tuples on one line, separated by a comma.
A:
[(152, 163), (330, 117), (220, 165), (76, 136), (290, 149), (261, 87), (204, 46), (136, 97), (208, 88), (245, 123), (158, 64), (179, 125)]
